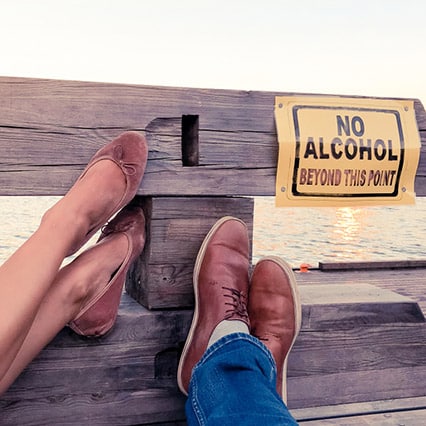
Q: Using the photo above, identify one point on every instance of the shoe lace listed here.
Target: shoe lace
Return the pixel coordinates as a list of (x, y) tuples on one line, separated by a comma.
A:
[(236, 302)]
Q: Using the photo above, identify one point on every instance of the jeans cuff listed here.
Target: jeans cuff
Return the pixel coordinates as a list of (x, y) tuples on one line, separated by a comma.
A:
[(234, 337)]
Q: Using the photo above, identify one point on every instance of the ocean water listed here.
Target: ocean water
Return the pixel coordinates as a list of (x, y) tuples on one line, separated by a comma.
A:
[(300, 235), (312, 235)]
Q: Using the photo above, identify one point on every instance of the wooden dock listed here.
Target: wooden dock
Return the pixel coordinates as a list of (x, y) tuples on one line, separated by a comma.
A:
[(368, 345), (360, 357)]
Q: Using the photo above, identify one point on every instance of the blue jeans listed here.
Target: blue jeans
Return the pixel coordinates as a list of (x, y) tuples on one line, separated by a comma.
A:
[(234, 384)]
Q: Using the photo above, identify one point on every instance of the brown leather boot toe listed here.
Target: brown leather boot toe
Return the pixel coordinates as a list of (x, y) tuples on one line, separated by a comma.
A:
[(275, 312), (220, 285)]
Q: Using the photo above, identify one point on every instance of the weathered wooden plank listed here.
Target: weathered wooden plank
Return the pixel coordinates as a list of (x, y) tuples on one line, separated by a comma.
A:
[(398, 418), (409, 282), (49, 130), (420, 185), (126, 377), (248, 149), (140, 407), (341, 306), (347, 387), (177, 423), (162, 278), (129, 376), (372, 348), (421, 170), (323, 352), (358, 409), (31, 102), (34, 101), (381, 264)]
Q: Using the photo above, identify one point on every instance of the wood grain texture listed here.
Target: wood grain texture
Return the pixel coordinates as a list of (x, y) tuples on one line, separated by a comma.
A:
[(343, 306), (408, 417), (127, 377), (358, 410), (176, 228), (356, 353), (358, 365), (380, 264), (409, 282), (49, 130)]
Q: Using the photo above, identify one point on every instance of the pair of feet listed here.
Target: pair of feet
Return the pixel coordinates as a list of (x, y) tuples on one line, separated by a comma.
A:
[(107, 185), (267, 305)]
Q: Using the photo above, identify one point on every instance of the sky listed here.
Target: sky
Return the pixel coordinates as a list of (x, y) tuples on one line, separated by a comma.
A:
[(348, 47)]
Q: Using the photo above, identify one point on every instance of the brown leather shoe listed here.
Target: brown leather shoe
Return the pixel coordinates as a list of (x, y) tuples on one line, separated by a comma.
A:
[(220, 285), (130, 152), (275, 312), (98, 315)]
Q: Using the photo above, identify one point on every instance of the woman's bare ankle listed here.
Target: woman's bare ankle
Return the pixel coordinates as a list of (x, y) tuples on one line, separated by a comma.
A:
[(100, 189), (89, 199)]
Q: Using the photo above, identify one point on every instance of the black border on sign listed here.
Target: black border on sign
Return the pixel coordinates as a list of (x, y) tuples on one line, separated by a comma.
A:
[(294, 189)]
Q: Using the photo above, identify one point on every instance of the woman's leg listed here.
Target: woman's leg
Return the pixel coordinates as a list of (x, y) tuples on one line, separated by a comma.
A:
[(73, 286), (27, 276)]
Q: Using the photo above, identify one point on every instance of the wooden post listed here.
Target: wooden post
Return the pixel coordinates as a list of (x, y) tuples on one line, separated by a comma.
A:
[(176, 227)]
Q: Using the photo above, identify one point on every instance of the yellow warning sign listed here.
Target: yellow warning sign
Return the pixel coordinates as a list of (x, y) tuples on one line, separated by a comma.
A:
[(345, 151)]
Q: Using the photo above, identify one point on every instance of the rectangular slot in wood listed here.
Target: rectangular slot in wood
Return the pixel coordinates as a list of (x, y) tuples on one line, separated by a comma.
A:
[(190, 146)]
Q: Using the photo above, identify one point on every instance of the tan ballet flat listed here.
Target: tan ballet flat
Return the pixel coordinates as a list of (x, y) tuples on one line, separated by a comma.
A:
[(130, 152), (98, 315)]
